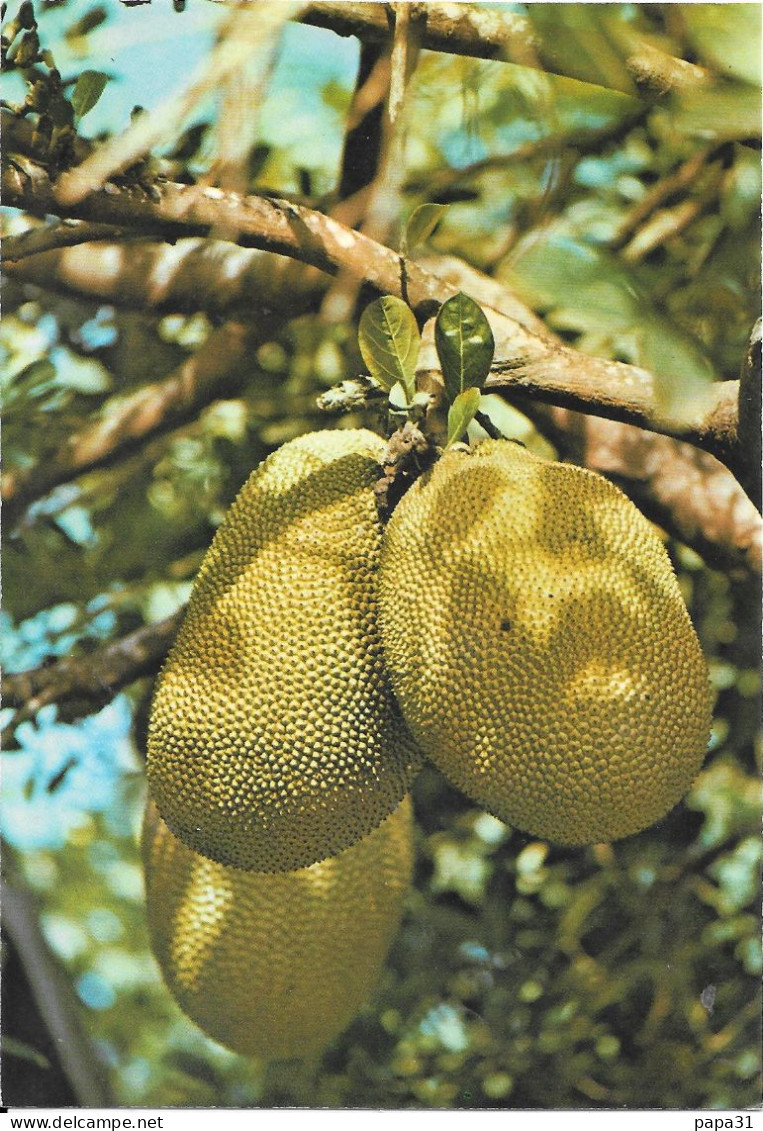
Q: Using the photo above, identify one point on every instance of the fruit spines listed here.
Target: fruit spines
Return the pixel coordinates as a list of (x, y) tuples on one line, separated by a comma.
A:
[(275, 739), (275, 966), (539, 646)]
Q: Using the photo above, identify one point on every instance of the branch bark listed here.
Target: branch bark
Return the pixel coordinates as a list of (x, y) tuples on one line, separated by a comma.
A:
[(157, 407), (55, 999), (693, 496), (49, 237), (92, 680), (526, 362), (190, 275), (460, 29), (478, 31)]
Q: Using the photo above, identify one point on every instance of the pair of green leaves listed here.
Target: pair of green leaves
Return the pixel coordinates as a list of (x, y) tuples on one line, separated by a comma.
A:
[(389, 341)]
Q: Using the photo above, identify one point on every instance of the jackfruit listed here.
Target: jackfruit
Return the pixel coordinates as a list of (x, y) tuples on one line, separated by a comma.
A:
[(274, 738), (539, 645), (275, 965)]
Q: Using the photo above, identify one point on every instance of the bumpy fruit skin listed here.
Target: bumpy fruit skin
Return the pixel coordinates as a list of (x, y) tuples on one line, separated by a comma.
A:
[(274, 739), (275, 966), (539, 645)]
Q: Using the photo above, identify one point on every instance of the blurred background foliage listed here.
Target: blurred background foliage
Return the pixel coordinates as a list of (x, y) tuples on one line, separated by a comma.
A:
[(525, 975)]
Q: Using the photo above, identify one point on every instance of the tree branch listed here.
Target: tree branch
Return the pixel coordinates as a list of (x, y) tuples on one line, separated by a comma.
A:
[(717, 520), (48, 237), (688, 492), (154, 408), (89, 681), (460, 29), (55, 999), (478, 31), (190, 275), (627, 393), (526, 362)]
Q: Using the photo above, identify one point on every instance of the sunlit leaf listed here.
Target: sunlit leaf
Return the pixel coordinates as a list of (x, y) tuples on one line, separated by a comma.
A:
[(421, 223), (87, 90), (465, 344), (461, 413), (389, 340), (727, 36)]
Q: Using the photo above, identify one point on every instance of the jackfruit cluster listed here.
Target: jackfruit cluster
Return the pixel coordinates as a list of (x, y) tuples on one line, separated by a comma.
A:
[(539, 645), (275, 966), (524, 616), (274, 738)]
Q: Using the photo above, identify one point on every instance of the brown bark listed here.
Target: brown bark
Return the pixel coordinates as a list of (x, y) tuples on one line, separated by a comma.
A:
[(526, 362), (93, 679)]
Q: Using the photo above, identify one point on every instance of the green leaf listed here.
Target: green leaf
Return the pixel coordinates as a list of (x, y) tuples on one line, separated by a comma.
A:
[(87, 90), (389, 339), (421, 223), (727, 36), (464, 343), (461, 413)]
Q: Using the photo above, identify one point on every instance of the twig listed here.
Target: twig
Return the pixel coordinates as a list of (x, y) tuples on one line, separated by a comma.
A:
[(55, 999), (245, 33), (662, 226), (580, 140), (487, 425), (683, 177)]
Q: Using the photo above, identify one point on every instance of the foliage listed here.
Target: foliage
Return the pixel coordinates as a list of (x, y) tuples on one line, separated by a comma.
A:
[(525, 975)]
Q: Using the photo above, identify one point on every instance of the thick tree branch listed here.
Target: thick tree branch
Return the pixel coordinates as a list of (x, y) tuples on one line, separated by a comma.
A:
[(193, 274), (665, 477), (627, 393), (485, 33), (461, 29), (55, 998), (525, 361)]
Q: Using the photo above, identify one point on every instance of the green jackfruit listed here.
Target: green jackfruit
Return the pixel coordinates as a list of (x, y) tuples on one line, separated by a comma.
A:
[(275, 966), (274, 739), (539, 646)]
